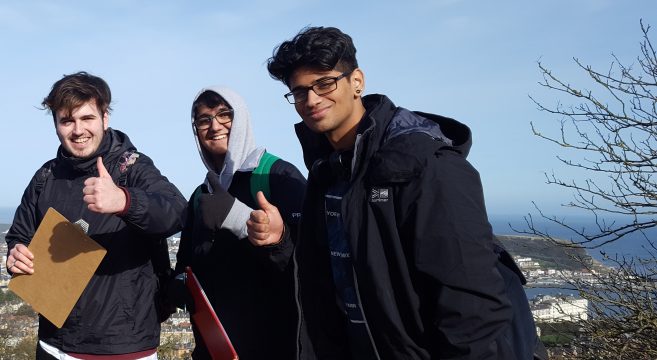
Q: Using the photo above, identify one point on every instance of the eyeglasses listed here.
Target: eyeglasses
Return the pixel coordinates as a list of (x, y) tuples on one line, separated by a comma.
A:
[(321, 87), (205, 122)]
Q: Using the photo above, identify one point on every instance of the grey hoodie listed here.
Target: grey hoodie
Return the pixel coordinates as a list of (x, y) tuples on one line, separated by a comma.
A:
[(242, 155)]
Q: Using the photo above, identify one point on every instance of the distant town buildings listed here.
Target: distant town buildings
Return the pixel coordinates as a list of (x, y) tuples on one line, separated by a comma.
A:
[(547, 308), (177, 332), (552, 308)]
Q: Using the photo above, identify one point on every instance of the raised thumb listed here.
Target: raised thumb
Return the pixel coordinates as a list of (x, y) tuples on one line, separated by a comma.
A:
[(263, 203), (102, 171)]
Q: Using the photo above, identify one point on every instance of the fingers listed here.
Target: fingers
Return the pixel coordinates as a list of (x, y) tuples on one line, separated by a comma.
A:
[(89, 186), (257, 232), (264, 227), (20, 260), (102, 171), (21, 251), (259, 217), (258, 225)]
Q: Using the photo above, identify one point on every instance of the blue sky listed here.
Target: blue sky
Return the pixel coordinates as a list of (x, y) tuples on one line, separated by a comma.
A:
[(475, 61)]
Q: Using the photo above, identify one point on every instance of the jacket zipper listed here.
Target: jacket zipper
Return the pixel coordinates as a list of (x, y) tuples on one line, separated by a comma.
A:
[(362, 311), (298, 302), (353, 270)]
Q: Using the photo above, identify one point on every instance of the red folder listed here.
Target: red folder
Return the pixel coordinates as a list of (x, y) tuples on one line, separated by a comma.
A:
[(214, 336)]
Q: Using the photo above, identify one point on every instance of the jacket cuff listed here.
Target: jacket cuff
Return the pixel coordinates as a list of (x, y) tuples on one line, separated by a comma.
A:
[(285, 234), (127, 202), (236, 219), (277, 256)]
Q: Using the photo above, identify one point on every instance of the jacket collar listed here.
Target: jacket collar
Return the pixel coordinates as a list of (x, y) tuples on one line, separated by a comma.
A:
[(114, 143), (379, 111)]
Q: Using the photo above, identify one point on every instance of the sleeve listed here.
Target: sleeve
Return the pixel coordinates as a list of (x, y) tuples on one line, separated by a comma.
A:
[(25, 220), (156, 205), (454, 251), (184, 254), (236, 217), (288, 188)]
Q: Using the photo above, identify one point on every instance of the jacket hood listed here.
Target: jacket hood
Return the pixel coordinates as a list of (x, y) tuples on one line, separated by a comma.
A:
[(388, 121), (242, 154), (459, 134)]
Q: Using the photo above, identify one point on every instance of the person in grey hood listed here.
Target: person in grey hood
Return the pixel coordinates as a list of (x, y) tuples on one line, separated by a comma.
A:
[(246, 275)]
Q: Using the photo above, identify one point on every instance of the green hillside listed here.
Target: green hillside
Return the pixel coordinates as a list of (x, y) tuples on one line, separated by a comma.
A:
[(547, 253)]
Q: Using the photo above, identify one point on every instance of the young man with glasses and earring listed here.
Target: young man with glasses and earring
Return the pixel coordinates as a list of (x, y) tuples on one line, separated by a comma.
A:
[(246, 274), (395, 258)]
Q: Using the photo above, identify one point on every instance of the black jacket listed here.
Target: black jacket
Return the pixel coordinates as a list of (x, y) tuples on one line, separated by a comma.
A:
[(427, 274), (116, 312), (250, 288)]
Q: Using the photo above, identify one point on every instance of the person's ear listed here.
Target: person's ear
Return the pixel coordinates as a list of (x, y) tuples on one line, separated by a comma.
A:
[(358, 82), (105, 120)]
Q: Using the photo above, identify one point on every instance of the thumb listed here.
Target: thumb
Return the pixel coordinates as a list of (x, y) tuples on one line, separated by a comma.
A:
[(263, 203), (102, 171)]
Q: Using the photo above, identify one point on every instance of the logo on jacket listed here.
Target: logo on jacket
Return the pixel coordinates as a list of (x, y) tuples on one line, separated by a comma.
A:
[(379, 195), (127, 158)]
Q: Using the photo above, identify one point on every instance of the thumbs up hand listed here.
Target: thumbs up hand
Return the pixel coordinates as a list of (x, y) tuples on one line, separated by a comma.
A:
[(101, 194), (265, 226)]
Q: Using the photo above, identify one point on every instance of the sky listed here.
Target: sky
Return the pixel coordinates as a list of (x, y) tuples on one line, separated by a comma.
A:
[(475, 61)]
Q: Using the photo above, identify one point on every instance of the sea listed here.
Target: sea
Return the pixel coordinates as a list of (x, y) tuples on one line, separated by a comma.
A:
[(6, 215), (636, 245)]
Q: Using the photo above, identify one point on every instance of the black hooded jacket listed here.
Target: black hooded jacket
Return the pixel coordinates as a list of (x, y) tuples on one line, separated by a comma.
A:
[(115, 313), (426, 268), (251, 288)]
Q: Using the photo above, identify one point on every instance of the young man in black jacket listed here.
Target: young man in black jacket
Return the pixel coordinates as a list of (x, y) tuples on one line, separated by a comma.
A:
[(247, 276), (396, 258), (99, 177)]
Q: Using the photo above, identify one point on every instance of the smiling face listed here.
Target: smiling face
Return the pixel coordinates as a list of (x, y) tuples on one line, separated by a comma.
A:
[(335, 114), (214, 139), (81, 131)]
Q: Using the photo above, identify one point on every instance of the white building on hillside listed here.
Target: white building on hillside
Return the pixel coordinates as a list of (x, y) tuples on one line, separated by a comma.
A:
[(559, 308)]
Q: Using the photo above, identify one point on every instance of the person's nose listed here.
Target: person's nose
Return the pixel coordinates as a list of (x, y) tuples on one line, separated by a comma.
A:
[(312, 99), (216, 125), (78, 129)]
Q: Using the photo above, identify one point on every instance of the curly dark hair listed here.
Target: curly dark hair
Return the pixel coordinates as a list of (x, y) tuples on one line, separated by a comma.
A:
[(319, 48), (72, 91)]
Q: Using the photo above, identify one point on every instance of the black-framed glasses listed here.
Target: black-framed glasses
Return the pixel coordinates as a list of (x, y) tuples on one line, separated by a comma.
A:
[(205, 122), (321, 87)]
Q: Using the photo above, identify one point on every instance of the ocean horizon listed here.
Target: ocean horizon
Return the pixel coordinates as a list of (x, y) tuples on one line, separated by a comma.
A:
[(631, 245), (7, 214)]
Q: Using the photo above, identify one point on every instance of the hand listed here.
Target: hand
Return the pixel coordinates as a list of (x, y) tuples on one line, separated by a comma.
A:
[(101, 194), (20, 260), (265, 227), (215, 206)]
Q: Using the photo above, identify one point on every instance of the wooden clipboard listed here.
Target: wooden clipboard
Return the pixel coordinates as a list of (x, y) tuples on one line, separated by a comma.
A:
[(206, 320), (65, 258)]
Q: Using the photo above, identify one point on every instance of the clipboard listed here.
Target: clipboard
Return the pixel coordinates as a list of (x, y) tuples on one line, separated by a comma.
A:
[(214, 336), (65, 259)]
